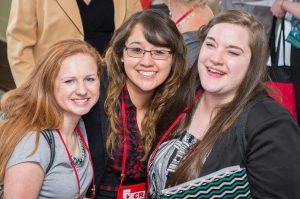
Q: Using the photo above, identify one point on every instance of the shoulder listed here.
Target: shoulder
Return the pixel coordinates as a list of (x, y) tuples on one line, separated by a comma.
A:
[(267, 112), (124, 9), (23, 152), (270, 124), (190, 36), (273, 154)]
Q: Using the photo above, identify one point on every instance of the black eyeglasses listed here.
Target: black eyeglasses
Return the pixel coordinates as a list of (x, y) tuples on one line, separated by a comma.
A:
[(155, 54)]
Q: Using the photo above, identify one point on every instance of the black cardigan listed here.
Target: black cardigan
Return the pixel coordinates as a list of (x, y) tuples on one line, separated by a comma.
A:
[(272, 154), (96, 127)]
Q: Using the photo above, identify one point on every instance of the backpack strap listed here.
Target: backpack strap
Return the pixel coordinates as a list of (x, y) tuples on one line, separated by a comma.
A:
[(240, 128), (48, 135)]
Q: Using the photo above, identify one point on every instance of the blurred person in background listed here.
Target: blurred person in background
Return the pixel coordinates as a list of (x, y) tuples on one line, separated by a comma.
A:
[(279, 9), (262, 12), (34, 26), (189, 16)]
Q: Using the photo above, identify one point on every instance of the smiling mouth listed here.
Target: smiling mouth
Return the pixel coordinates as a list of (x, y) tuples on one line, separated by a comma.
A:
[(80, 101), (211, 70), (147, 73)]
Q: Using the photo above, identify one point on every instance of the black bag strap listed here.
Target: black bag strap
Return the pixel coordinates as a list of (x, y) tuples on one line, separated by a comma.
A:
[(48, 135), (241, 126), (275, 50)]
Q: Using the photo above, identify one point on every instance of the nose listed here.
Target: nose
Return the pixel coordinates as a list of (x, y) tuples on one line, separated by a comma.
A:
[(147, 60), (217, 57), (81, 88)]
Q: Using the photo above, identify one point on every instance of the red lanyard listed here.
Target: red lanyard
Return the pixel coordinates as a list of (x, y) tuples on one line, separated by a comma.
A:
[(145, 4), (72, 163), (124, 123), (184, 15), (168, 132)]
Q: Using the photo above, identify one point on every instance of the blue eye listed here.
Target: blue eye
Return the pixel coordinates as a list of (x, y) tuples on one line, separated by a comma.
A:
[(90, 79)]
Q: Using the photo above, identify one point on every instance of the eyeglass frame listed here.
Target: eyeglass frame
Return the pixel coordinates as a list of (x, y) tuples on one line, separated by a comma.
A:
[(147, 51)]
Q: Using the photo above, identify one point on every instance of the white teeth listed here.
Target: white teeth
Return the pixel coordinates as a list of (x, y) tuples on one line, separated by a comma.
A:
[(215, 71), (147, 73), (80, 101)]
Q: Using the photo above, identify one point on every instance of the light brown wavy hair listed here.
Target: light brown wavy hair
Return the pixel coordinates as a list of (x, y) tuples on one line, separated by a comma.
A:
[(32, 106), (158, 30), (227, 114)]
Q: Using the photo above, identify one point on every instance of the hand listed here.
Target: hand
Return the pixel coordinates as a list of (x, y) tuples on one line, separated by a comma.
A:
[(277, 9)]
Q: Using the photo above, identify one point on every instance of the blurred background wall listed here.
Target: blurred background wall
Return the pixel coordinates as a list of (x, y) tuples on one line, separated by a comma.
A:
[(6, 81), (4, 12)]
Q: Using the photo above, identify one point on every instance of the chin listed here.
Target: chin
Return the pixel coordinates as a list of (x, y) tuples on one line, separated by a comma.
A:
[(148, 90), (149, 87), (209, 88), (81, 112)]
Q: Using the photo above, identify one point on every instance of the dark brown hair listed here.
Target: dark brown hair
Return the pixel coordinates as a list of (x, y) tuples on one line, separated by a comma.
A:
[(252, 85), (158, 30)]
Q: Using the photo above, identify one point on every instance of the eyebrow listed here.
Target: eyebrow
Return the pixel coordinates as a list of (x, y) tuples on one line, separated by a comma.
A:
[(230, 46), (74, 77), (141, 43), (134, 42)]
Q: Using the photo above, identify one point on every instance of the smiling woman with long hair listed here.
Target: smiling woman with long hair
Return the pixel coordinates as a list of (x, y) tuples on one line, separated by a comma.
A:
[(202, 125), (146, 61), (64, 86)]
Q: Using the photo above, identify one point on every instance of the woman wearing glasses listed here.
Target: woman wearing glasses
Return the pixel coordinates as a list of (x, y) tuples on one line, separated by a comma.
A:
[(146, 61)]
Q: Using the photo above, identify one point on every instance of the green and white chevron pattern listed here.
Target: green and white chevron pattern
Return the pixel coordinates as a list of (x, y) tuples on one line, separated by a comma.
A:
[(228, 183)]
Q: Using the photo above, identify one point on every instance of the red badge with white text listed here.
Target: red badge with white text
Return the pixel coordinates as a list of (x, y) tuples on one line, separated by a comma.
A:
[(136, 191)]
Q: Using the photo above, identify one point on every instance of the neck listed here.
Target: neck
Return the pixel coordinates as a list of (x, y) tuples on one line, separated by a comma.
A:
[(69, 135), (139, 98), (211, 102), (68, 127)]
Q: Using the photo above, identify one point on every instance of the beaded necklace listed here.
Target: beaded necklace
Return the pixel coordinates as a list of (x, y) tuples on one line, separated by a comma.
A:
[(185, 17), (79, 161)]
